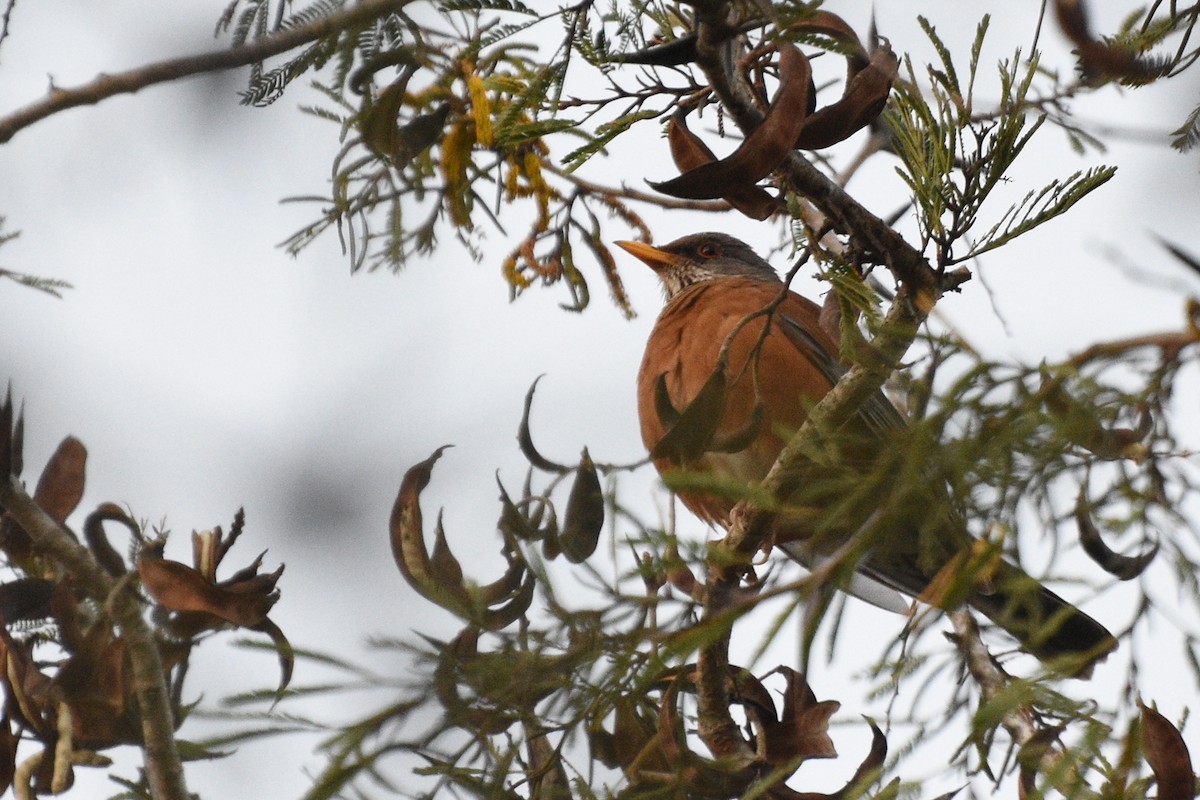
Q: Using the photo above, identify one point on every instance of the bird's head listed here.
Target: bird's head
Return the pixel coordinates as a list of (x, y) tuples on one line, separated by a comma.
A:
[(700, 257)]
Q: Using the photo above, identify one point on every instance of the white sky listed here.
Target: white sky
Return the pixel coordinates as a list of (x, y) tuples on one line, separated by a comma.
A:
[(205, 369)]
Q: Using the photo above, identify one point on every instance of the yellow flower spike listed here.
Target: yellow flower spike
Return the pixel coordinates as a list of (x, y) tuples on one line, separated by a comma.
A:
[(481, 108), (455, 155), (512, 176), (537, 184), (513, 275)]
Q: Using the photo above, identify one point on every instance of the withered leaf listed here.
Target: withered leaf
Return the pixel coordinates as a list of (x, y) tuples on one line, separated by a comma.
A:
[(551, 549), (1120, 566), (693, 429), (1098, 60), (1168, 756), (508, 584), (584, 518), (25, 599), (176, 586), (284, 651), (854, 787), (862, 101), (60, 487), (525, 439), (12, 437), (635, 740), (829, 24), (382, 133), (93, 683), (750, 692), (764, 148), (875, 759), (803, 731), (518, 603), (670, 54), (514, 524), (442, 564), (408, 544), (689, 152), (681, 576), (28, 690), (97, 540)]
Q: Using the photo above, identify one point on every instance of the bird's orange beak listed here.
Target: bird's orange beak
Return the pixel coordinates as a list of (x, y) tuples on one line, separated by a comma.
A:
[(650, 255)]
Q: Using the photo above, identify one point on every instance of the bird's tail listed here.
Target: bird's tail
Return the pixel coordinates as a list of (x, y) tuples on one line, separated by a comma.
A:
[(1047, 626)]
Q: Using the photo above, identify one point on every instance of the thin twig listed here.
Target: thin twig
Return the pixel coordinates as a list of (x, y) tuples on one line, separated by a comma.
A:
[(626, 193), (1171, 341), (105, 86), (6, 18)]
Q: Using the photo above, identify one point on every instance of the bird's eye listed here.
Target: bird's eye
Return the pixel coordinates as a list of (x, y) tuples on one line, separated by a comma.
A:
[(709, 251)]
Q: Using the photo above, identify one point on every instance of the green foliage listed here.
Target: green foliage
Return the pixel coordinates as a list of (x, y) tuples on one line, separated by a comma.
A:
[(954, 158), (1187, 135), (605, 134)]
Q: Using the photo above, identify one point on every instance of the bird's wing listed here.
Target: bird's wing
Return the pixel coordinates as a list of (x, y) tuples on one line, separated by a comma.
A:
[(877, 412)]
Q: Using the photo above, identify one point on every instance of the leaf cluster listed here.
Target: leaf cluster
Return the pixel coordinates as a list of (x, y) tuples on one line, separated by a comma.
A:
[(953, 160)]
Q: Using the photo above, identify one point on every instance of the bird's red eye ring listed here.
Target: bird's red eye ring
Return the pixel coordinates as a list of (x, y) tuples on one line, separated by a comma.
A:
[(709, 251)]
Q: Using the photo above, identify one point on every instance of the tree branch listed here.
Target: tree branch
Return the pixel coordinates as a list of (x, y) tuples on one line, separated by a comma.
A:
[(1169, 342), (105, 86), (920, 285), (988, 675), (846, 214)]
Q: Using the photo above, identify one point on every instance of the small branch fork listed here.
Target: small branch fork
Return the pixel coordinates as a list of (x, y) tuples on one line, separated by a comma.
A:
[(164, 769)]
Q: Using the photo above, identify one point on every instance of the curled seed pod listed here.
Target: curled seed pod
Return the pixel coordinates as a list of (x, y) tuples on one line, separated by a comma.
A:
[(585, 513), (766, 146)]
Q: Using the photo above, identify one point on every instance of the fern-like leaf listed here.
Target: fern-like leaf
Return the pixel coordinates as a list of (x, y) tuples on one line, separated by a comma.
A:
[(1187, 135), (1041, 206), (605, 134), (50, 286), (487, 5)]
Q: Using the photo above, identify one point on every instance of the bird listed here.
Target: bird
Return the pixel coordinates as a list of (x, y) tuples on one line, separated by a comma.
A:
[(743, 358)]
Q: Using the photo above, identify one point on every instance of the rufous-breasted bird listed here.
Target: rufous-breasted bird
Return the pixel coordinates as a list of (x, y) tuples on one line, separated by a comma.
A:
[(915, 541)]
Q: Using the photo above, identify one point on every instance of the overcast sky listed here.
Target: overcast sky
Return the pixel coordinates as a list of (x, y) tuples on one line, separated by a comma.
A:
[(205, 369)]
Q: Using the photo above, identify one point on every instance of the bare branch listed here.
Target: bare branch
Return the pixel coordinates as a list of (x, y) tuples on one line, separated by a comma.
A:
[(1170, 342), (105, 86)]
